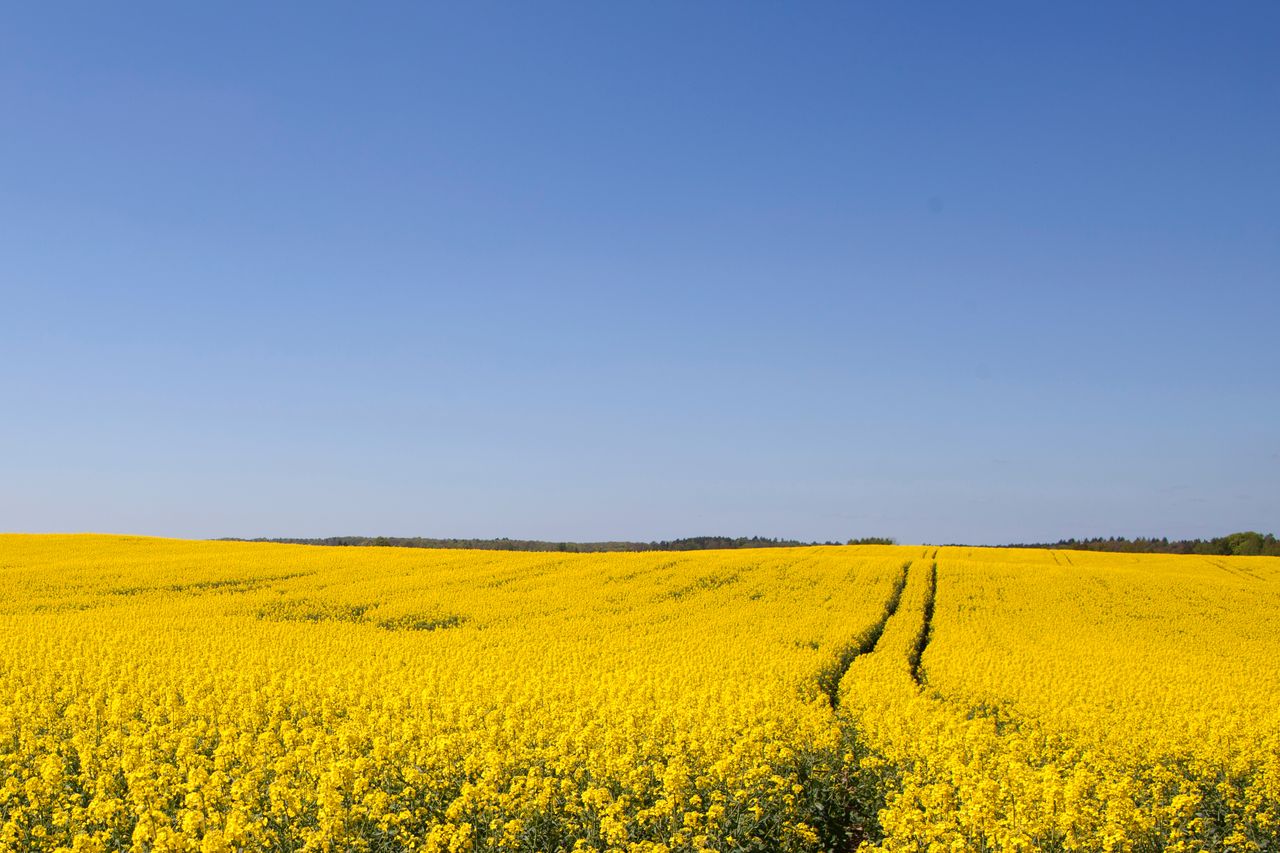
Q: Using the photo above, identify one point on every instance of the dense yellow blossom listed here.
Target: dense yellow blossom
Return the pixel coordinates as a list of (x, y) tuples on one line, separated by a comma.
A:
[(161, 695), (1077, 701)]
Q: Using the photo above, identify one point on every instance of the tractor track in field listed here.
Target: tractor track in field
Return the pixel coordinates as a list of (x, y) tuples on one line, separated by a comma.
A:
[(860, 794), (830, 677), (926, 627), (1238, 571)]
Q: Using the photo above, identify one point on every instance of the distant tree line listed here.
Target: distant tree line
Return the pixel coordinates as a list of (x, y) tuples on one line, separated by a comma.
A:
[(1236, 544), (692, 543), (1247, 543)]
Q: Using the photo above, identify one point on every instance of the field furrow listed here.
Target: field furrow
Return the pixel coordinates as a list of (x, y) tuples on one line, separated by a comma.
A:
[(831, 675)]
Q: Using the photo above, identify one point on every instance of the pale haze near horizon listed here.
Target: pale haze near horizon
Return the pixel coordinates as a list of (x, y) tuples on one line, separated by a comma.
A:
[(580, 272)]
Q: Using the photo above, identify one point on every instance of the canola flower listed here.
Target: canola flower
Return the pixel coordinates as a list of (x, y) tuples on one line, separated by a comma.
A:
[(163, 695), (1035, 700), (201, 696)]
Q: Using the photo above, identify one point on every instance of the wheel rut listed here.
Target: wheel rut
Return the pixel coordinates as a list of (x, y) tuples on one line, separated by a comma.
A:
[(1238, 571), (926, 627), (829, 678)]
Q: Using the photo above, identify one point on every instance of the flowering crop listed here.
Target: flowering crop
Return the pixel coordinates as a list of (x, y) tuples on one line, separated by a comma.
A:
[(162, 695), (208, 696), (1078, 701)]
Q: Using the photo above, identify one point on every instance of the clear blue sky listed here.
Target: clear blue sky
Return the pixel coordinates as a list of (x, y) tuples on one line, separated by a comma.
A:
[(947, 272)]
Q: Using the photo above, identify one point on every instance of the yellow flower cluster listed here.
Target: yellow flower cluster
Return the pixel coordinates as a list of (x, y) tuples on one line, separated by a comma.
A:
[(1036, 700), (159, 695), (162, 695)]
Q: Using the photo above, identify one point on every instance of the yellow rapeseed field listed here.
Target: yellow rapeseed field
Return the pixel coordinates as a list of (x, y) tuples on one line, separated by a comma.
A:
[(164, 695)]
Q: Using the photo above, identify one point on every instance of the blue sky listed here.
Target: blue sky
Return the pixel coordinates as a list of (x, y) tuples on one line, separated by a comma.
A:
[(945, 272)]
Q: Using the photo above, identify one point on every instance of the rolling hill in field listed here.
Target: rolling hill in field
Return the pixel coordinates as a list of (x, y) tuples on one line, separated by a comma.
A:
[(168, 695)]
